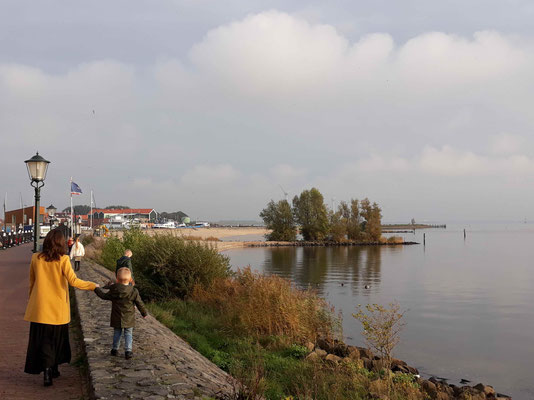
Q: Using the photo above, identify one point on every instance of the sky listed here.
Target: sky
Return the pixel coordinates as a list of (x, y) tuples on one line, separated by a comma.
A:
[(213, 107)]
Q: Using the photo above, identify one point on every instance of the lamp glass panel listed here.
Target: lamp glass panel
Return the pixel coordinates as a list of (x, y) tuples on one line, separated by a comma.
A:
[(37, 170)]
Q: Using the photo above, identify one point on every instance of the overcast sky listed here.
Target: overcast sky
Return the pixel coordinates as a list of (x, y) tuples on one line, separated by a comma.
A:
[(208, 106)]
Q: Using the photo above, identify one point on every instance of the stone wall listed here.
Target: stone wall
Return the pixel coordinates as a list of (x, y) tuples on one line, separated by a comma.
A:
[(164, 366)]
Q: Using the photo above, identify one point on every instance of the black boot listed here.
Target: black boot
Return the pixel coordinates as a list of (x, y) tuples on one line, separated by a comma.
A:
[(55, 372), (48, 377)]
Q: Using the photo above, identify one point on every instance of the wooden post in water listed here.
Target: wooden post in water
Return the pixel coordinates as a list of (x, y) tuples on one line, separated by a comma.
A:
[(424, 239), (464, 233)]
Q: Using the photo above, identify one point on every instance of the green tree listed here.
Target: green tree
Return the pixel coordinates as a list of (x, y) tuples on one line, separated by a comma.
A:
[(338, 226), (381, 328), (354, 220), (79, 209), (279, 218), (372, 224), (311, 214), (117, 207)]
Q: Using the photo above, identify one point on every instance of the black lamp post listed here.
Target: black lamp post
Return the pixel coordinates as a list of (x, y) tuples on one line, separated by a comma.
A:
[(37, 167)]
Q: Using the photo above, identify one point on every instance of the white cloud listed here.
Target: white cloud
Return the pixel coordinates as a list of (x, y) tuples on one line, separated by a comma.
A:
[(287, 172), (273, 98), (446, 161), (505, 143)]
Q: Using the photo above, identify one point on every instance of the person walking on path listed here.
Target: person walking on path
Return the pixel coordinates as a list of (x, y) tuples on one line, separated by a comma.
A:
[(123, 297), (126, 262), (48, 308), (77, 251), (70, 242)]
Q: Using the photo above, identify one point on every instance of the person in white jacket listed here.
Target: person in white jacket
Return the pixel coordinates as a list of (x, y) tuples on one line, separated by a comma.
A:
[(77, 252)]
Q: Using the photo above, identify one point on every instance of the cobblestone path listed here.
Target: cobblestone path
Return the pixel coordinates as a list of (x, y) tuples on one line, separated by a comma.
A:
[(14, 383), (164, 366)]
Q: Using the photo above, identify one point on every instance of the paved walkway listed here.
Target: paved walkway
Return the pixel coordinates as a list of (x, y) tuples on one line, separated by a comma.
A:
[(164, 366), (14, 383)]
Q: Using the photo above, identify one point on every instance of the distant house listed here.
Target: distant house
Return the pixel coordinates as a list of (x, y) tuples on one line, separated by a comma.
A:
[(142, 215), (24, 216)]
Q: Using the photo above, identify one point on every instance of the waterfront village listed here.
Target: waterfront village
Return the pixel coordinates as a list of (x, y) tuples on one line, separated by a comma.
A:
[(101, 220)]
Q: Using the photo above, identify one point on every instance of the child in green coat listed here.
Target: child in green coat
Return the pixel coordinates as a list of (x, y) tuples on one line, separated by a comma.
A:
[(124, 298)]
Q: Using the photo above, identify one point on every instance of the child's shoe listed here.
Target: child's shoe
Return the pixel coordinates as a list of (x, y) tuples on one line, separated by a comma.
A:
[(128, 355), (114, 352)]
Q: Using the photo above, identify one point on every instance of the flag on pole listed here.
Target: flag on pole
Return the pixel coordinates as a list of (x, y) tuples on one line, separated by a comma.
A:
[(75, 189)]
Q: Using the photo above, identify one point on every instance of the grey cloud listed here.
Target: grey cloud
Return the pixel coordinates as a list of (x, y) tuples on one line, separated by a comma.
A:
[(273, 99)]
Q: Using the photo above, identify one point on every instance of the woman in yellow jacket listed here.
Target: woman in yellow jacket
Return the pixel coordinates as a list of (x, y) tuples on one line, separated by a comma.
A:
[(48, 308)]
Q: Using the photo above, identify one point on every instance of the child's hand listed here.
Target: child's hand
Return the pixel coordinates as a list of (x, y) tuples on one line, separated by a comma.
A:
[(145, 316), (97, 285)]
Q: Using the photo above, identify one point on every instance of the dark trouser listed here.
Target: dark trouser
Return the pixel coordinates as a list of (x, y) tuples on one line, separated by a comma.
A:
[(76, 265), (48, 346)]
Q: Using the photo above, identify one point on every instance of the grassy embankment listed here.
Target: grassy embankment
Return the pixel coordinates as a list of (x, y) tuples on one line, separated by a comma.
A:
[(256, 327)]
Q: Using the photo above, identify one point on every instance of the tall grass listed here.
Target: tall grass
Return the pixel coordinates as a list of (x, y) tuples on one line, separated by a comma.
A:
[(261, 305), (166, 266)]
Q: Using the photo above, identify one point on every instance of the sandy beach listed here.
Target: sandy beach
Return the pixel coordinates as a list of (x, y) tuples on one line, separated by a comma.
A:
[(219, 233)]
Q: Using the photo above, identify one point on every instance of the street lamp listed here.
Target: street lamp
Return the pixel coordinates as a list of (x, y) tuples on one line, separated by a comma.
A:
[(37, 167)]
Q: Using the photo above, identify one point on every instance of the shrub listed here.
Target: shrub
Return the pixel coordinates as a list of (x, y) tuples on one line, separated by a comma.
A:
[(166, 266), (264, 306), (198, 238), (87, 240), (112, 250), (395, 240), (381, 328)]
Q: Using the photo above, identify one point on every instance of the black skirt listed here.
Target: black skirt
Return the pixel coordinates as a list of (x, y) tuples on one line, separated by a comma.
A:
[(48, 346)]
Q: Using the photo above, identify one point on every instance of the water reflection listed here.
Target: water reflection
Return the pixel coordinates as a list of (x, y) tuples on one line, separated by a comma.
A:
[(470, 302), (318, 267)]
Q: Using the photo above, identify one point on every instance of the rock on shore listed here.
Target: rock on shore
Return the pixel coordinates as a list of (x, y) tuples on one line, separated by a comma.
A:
[(336, 351)]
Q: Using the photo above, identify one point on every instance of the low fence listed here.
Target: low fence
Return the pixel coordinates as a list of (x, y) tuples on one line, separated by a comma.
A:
[(11, 239)]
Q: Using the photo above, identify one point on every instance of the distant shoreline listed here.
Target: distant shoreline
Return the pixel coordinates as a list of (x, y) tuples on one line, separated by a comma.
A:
[(223, 246), (394, 227)]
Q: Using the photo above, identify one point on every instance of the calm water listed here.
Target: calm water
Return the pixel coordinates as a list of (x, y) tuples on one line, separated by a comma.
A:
[(470, 303)]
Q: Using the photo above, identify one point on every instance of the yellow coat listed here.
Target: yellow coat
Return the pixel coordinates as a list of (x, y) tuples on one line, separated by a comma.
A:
[(49, 290)]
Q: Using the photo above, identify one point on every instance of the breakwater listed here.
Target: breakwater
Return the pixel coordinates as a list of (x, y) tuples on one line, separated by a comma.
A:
[(323, 244), (336, 352)]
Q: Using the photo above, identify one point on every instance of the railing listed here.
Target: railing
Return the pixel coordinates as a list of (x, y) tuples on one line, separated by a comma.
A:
[(12, 239)]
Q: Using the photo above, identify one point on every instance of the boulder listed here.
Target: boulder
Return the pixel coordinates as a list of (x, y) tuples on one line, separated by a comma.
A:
[(310, 346), (340, 349), (396, 361), (325, 344), (320, 352), (469, 393), (399, 366), (333, 358), (412, 370), (365, 353), (430, 388), (313, 357), (487, 390)]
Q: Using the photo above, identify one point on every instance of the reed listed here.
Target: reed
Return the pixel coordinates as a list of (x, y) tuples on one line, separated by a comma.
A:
[(261, 306)]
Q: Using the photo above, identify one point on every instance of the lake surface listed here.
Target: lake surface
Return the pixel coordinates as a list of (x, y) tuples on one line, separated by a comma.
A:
[(470, 303)]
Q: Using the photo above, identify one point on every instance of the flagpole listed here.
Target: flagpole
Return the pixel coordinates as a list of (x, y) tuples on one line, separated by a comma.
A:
[(5, 205), (91, 208), (71, 216)]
